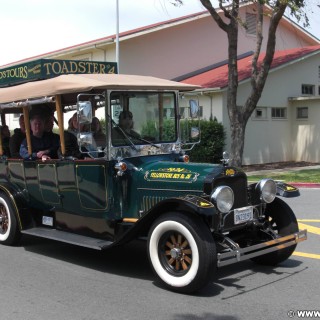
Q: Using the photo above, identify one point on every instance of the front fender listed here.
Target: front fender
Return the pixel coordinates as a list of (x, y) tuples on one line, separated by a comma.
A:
[(286, 190), (283, 189), (191, 205)]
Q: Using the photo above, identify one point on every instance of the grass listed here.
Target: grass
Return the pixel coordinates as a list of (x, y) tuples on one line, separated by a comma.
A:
[(308, 176)]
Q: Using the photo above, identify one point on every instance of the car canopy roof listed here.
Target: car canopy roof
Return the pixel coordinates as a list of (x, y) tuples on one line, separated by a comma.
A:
[(76, 83)]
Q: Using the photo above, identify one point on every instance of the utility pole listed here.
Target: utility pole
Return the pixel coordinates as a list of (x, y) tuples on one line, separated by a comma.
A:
[(117, 36)]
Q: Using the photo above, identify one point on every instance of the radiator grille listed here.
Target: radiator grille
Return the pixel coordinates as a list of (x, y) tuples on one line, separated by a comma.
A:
[(238, 184), (150, 201)]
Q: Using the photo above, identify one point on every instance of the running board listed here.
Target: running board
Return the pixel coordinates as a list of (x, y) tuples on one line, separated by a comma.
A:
[(83, 241)]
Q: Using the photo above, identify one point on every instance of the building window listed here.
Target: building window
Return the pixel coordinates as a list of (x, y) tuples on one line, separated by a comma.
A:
[(302, 113), (260, 113), (279, 113), (307, 89), (251, 23)]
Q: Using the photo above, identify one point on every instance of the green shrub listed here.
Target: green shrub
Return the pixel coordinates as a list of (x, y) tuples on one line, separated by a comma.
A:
[(168, 132), (211, 145)]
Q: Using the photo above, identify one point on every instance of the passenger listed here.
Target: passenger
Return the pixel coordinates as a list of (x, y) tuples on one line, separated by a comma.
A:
[(19, 134), (74, 126), (70, 123), (98, 135), (49, 123), (5, 136), (70, 139), (71, 147), (44, 145)]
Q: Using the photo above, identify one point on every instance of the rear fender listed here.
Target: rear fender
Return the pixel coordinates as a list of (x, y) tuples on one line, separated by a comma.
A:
[(19, 204)]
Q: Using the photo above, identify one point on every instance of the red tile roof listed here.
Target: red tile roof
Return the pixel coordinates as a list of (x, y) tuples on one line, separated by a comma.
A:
[(218, 77)]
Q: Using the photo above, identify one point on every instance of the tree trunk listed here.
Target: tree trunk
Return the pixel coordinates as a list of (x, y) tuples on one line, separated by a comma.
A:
[(238, 129)]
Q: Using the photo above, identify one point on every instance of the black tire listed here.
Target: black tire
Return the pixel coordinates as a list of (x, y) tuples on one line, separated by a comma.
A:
[(182, 252), (9, 231), (283, 221)]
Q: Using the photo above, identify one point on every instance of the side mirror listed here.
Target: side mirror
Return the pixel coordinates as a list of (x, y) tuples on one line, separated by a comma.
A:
[(85, 112), (194, 108)]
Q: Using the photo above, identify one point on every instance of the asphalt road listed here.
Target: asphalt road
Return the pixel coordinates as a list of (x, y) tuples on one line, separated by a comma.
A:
[(47, 280)]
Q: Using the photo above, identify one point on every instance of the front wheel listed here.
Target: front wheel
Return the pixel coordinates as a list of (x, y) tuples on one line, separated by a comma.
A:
[(283, 222), (9, 232), (182, 252)]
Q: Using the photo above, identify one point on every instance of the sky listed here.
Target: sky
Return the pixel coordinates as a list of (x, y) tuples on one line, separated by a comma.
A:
[(33, 27)]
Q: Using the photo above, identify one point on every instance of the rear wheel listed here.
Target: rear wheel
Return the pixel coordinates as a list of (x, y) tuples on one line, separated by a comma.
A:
[(283, 222), (9, 232), (182, 252)]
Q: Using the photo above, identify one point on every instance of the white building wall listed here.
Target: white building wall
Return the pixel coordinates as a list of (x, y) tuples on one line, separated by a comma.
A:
[(290, 139), (174, 51), (212, 106), (306, 133), (267, 140)]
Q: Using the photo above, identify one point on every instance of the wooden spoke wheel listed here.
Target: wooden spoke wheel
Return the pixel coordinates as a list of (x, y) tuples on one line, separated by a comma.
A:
[(182, 252)]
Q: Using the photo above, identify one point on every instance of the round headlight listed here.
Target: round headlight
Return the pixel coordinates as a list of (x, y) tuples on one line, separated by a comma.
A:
[(268, 190), (223, 198)]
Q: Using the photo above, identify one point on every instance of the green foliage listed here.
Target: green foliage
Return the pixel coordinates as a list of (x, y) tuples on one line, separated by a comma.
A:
[(307, 176), (150, 131), (212, 142)]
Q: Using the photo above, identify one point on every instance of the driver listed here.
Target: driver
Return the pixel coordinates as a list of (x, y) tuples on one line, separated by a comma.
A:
[(124, 128)]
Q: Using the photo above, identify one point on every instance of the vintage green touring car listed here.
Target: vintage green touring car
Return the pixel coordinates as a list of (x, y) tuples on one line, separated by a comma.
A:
[(195, 217)]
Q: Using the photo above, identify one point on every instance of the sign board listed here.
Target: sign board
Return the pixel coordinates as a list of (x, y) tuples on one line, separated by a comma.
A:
[(48, 68)]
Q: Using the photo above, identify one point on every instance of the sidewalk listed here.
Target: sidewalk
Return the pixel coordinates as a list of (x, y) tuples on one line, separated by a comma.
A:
[(296, 184)]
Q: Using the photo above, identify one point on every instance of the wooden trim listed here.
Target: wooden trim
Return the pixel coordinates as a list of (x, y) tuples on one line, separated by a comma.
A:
[(132, 220), (28, 131), (60, 124)]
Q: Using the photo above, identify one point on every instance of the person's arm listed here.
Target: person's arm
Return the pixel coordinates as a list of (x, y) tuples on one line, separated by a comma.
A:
[(24, 154)]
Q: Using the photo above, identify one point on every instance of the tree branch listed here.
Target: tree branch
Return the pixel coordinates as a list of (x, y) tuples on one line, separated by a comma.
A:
[(208, 5)]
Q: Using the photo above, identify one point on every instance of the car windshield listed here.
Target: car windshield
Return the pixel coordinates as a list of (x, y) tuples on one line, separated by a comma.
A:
[(143, 119)]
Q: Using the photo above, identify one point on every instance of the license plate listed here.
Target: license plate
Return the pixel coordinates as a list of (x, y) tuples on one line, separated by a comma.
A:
[(47, 221), (243, 215)]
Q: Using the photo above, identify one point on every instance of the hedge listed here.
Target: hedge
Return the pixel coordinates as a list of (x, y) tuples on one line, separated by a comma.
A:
[(211, 145)]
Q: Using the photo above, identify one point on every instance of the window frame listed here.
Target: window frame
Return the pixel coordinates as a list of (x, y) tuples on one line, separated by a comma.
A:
[(279, 113), (308, 89), (263, 116), (251, 24), (299, 113)]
